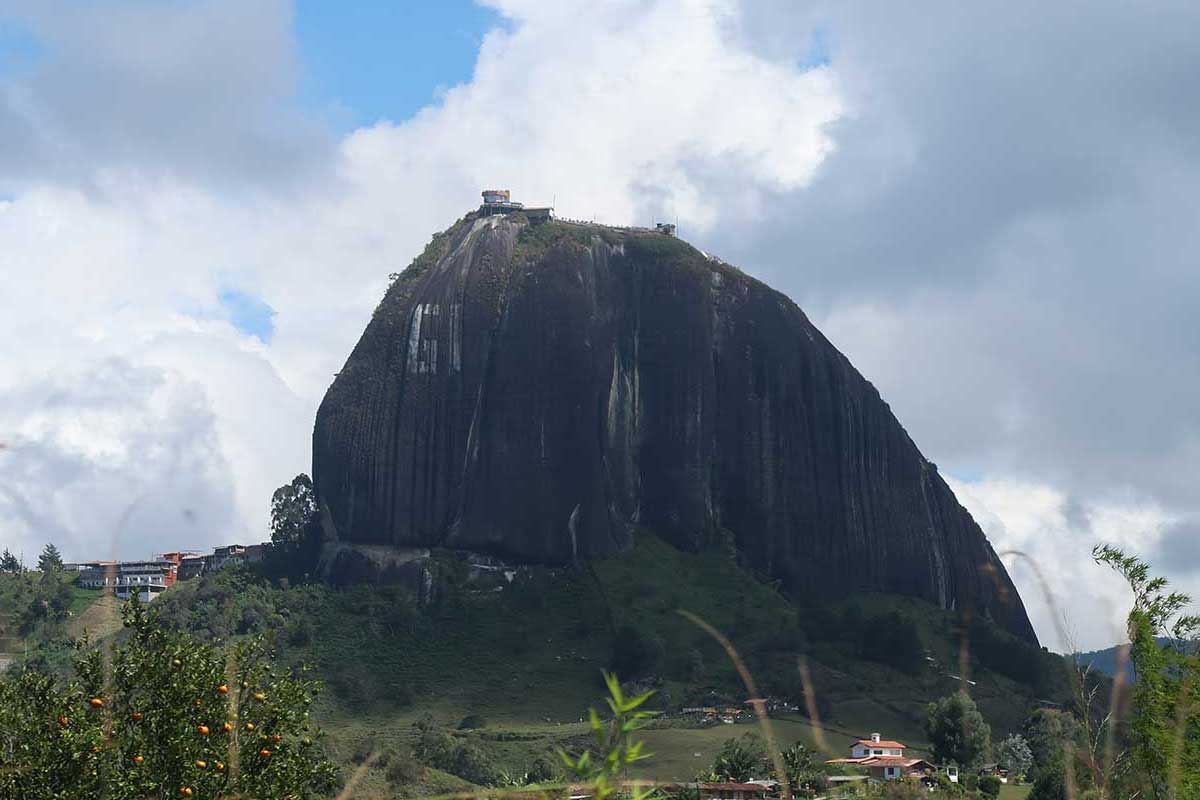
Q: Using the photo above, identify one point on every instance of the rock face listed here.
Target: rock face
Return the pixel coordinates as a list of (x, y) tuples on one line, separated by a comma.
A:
[(537, 392)]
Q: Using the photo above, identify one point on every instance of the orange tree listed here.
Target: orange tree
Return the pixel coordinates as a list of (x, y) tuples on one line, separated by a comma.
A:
[(159, 714)]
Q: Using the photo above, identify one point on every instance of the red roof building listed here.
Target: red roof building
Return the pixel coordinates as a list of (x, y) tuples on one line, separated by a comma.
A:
[(884, 759)]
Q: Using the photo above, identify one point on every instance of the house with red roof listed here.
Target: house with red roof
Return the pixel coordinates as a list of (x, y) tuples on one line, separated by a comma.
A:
[(884, 759)]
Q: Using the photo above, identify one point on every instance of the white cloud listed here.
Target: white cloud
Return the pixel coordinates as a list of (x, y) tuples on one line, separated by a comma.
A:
[(115, 266), (110, 454), (1074, 603), (618, 124)]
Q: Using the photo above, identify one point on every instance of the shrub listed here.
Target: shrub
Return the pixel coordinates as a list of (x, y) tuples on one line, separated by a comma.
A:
[(363, 749), (902, 790), (472, 722), (464, 759), (403, 769), (741, 759), (892, 639), (1050, 785), (989, 786), (634, 654)]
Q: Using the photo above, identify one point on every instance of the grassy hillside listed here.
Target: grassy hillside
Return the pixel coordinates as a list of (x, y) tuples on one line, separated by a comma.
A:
[(38, 615), (494, 675)]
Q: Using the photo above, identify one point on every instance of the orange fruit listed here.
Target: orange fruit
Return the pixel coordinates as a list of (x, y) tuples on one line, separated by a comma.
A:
[(202, 730), (227, 727), (137, 716), (96, 702), (201, 764), (264, 753), (223, 688), (219, 766), (249, 726), (259, 696), (276, 738), (138, 759), (186, 791)]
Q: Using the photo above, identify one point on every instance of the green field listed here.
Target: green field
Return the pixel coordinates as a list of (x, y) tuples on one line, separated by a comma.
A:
[(1015, 792)]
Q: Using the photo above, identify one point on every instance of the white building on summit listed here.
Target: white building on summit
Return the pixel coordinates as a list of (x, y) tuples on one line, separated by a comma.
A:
[(499, 201), (499, 197)]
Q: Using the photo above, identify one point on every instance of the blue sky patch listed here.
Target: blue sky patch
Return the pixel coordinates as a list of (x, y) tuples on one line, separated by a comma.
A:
[(379, 59), (19, 48), (820, 49), (965, 472), (249, 313)]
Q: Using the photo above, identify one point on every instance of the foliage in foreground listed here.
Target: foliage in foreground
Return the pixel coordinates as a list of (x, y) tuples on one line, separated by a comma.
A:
[(1165, 730), (161, 715), (617, 748)]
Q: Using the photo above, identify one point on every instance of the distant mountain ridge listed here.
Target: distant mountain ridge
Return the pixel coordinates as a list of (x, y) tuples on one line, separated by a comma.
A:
[(1105, 660), (537, 392)]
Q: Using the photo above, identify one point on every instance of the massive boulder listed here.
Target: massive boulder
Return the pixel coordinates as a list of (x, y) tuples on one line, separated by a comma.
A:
[(537, 392)]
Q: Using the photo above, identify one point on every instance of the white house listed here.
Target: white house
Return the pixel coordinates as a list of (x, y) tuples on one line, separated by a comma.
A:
[(876, 746), (884, 759)]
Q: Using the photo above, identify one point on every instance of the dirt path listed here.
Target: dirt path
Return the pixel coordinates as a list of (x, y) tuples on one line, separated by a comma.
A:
[(102, 618)]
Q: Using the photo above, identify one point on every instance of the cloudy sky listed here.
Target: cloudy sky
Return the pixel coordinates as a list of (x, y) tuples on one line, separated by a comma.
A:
[(989, 207)]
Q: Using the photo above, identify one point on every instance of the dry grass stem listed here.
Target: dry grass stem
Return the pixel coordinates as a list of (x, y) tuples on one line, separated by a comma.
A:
[(755, 700)]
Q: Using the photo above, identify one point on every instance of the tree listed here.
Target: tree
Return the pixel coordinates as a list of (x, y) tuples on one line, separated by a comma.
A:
[(805, 774), (160, 714), (295, 527), (50, 560), (1051, 783), (989, 786), (1014, 755), (741, 759), (1165, 730), (9, 563), (293, 508), (957, 730), (1047, 732), (634, 654)]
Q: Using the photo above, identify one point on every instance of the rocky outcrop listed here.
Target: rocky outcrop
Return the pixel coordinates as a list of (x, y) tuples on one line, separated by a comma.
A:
[(538, 392)]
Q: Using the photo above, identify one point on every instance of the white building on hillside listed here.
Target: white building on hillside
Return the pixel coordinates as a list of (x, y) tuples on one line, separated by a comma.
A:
[(884, 759), (876, 746), (148, 579)]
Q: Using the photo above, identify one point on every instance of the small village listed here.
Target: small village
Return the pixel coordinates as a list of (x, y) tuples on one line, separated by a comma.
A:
[(874, 760)]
